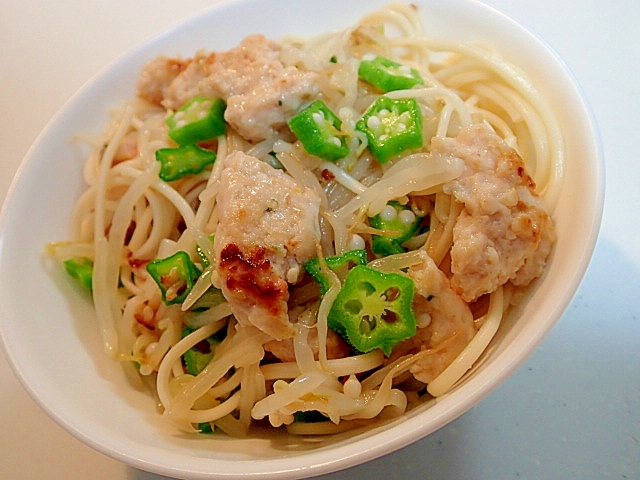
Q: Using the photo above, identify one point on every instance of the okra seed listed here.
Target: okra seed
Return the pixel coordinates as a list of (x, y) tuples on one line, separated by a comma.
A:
[(391, 294), (407, 217), (373, 122), (389, 316), (367, 324), (356, 242), (336, 141), (388, 213), (423, 320), (318, 117)]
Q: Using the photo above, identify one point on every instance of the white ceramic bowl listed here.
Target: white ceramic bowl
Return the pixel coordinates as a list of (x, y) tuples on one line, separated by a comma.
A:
[(48, 331)]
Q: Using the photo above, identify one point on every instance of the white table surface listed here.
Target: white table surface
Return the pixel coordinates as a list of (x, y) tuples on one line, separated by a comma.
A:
[(571, 411)]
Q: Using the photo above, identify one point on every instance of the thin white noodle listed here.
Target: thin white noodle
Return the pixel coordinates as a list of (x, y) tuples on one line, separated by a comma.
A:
[(106, 311), (339, 367), (142, 220), (478, 344), (225, 388), (174, 355), (253, 389), (200, 288), (303, 352), (296, 389), (162, 219), (105, 166), (445, 120), (414, 178), (207, 195), (219, 411), (177, 200), (437, 93), (108, 257), (65, 250), (344, 178), (244, 352), (171, 326), (323, 313), (213, 314)]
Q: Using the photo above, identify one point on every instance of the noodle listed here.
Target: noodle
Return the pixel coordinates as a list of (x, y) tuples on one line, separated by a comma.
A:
[(463, 362), (253, 334)]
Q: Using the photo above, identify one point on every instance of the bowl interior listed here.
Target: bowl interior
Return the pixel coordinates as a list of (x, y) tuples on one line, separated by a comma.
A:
[(48, 326)]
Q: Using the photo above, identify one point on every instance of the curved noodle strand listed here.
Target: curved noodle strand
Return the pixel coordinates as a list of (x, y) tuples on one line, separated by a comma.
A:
[(463, 362)]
